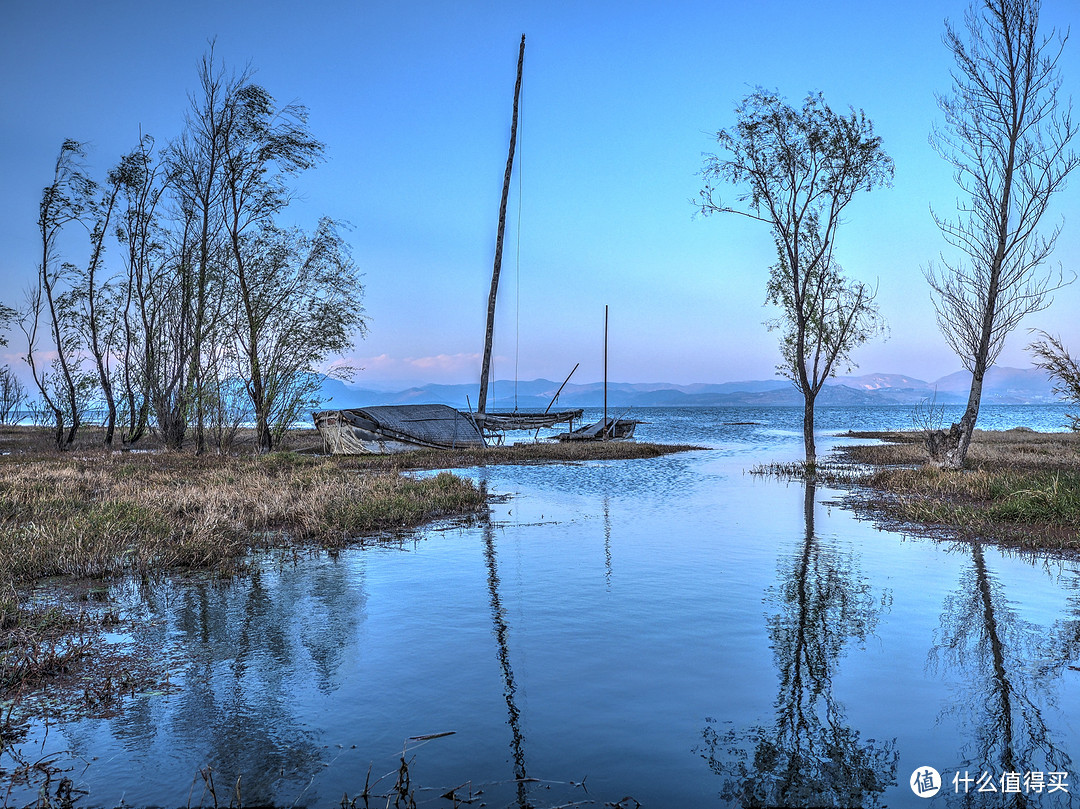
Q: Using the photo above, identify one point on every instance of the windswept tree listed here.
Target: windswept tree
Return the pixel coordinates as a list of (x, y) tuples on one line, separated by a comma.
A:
[(49, 307), (1052, 356), (216, 312), (269, 271), (97, 316), (1007, 136), (799, 169)]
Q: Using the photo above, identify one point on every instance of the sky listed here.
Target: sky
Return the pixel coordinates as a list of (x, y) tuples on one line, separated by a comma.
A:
[(620, 102)]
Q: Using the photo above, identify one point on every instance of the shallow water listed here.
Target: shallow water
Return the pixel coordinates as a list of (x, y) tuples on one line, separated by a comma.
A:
[(673, 629)]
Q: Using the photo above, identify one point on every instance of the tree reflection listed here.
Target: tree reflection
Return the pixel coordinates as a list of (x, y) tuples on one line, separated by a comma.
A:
[(809, 756), (502, 639), (248, 650), (1005, 690)]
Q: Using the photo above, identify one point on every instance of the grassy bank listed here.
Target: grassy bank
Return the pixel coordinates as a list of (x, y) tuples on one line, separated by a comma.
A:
[(89, 513), (1019, 487)]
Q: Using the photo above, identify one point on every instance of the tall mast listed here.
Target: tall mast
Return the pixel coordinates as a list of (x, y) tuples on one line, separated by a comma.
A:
[(485, 370), (605, 430)]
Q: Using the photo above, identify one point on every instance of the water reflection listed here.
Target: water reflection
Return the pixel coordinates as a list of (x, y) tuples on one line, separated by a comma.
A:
[(607, 542), (502, 639), (1006, 691), (251, 652), (809, 756)]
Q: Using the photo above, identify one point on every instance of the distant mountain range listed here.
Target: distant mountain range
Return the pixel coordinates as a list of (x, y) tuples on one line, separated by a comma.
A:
[(1002, 386)]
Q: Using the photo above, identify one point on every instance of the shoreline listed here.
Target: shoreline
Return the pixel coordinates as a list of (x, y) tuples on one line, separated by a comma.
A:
[(72, 523), (1020, 489)]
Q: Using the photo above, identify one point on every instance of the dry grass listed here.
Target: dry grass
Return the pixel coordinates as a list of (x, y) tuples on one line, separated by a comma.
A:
[(1018, 487), (100, 514)]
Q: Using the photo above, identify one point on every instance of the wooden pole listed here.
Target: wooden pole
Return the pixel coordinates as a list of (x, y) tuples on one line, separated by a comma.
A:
[(605, 430), (485, 370), (563, 385)]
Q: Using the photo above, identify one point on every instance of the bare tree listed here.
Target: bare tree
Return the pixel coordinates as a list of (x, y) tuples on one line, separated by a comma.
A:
[(800, 168), (98, 315), (141, 189), (12, 394), (1007, 135), (196, 166)]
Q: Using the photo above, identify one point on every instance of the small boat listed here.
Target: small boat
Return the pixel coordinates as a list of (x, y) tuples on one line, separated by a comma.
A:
[(396, 428), (607, 429), (604, 430), (503, 421)]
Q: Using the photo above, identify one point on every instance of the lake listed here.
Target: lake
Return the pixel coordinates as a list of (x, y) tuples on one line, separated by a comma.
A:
[(675, 631)]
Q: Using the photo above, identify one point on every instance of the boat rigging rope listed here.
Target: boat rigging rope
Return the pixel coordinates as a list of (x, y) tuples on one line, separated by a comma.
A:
[(517, 269)]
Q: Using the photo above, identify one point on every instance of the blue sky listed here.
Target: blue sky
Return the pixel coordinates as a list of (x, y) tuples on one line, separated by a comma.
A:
[(620, 101)]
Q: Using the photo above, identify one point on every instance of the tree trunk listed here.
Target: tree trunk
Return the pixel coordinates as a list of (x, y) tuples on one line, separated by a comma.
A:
[(808, 428), (949, 449)]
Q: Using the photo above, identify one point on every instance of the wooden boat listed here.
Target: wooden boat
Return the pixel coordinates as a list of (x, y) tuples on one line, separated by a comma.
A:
[(608, 429), (396, 428), (503, 421)]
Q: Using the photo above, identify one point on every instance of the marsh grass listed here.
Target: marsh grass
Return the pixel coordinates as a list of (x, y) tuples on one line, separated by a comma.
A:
[(104, 514), (527, 453), (91, 513), (1019, 487), (94, 513), (826, 472)]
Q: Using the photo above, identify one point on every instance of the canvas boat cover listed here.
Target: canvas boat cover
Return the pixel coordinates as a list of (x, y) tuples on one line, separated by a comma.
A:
[(423, 425)]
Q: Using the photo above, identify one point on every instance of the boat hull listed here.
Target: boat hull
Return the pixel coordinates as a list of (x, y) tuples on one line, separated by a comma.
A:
[(392, 429), (616, 430)]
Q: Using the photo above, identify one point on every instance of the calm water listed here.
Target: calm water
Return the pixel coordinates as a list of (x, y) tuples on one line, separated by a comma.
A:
[(675, 630)]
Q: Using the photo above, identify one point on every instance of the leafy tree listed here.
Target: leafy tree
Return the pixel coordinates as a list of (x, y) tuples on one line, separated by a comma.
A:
[(1007, 136), (799, 169), (273, 273), (299, 304), (1052, 356)]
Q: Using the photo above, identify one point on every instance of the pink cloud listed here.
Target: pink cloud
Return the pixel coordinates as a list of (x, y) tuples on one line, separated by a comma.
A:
[(445, 368)]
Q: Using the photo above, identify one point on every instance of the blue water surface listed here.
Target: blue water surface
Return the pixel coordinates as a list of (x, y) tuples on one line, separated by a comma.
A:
[(673, 630)]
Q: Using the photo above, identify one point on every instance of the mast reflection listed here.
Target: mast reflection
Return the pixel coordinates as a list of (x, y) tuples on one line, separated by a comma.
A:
[(501, 632)]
